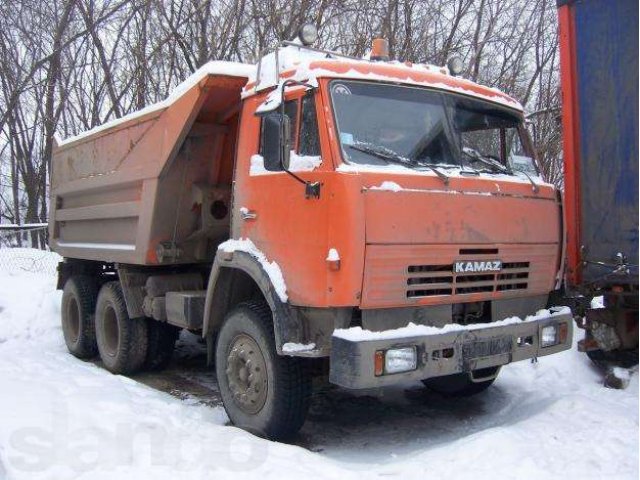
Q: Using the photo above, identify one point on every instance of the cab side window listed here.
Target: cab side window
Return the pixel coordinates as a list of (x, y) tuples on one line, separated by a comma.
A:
[(309, 142)]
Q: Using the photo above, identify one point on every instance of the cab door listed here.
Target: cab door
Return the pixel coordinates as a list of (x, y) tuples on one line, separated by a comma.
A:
[(270, 207)]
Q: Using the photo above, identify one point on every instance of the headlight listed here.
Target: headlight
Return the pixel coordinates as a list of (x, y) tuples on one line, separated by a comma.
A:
[(308, 34), (549, 336), (398, 360)]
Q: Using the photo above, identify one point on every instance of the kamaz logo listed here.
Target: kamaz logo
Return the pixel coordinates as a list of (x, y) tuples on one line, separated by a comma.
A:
[(476, 266)]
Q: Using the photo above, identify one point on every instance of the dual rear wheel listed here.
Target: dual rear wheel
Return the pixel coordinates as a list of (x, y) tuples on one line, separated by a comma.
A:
[(95, 321), (262, 392)]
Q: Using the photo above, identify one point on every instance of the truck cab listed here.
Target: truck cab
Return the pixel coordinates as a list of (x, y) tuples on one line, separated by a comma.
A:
[(373, 220)]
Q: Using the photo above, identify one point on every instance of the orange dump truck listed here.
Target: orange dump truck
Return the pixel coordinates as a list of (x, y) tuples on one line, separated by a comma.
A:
[(369, 220)]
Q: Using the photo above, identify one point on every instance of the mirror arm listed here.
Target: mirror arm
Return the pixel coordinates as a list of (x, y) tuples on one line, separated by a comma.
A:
[(312, 189)]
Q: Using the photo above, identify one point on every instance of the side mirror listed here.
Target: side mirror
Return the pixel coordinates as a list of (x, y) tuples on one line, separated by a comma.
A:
[(276, 138)]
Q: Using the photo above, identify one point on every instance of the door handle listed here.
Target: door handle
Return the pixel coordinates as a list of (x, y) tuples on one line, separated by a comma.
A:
[(247, 214)]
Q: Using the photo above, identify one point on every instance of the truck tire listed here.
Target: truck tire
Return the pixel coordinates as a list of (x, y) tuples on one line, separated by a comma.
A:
[(77, 308), (161, 341), (122, 341), (460, 384), (262, 392)]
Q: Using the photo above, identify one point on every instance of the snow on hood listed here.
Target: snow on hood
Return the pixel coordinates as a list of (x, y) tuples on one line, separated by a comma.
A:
[(231, 69), (450, 170)]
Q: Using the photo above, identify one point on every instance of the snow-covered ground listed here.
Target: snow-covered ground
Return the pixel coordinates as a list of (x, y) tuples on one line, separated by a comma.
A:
[(64, 418)]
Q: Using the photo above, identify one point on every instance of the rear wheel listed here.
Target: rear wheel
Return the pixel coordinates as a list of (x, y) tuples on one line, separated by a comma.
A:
[(77, 309), (122, 341), (463, 384), (262, 392)]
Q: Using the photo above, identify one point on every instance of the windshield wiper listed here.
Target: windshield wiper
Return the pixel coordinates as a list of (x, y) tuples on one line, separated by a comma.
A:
[(478, 157), (534, 185), (390, 156)]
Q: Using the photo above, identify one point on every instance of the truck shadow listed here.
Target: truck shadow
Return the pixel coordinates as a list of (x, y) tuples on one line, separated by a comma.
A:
[(364, 425), (187, 377), (380, 424)]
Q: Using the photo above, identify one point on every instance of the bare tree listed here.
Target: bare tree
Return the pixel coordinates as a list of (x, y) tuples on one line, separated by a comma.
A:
[(69, 65)]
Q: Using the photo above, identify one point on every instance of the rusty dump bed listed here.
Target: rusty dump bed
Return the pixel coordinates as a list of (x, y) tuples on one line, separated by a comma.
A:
[(129, 191)]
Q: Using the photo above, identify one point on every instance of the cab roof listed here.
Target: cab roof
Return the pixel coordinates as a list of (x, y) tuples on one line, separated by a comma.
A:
[(298, 64)]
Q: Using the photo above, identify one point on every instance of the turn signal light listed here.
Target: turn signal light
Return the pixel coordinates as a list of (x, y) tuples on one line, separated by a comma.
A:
[(563, 331), (379, 363), (380, 49)]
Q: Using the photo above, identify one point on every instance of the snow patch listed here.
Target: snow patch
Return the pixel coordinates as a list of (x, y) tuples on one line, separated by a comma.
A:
[(13, 226), (621, 373), (450, 170), (597, 302), (288, 58), (499, 97), (304, 163), (300, 60), (297, 163), (272, 268), (273, 101), (20, 260), (541, 417), (333, 255), (291, 347), (388, 186), (256, 166), (231, 69), (412, 330)]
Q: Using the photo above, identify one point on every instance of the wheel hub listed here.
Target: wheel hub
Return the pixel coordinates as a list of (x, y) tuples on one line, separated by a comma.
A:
[(247, 374)]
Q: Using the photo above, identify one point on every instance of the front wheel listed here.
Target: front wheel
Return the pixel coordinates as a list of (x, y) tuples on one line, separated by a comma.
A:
[(262, 392), (463, 384)]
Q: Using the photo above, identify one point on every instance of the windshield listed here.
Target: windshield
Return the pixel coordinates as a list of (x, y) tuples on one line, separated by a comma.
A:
[(382, 124)]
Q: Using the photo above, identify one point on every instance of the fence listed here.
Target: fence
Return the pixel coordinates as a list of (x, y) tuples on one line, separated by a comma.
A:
[(16, 256)]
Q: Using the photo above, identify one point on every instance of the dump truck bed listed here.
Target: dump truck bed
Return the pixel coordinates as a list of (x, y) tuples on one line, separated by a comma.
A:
[(153, 187)]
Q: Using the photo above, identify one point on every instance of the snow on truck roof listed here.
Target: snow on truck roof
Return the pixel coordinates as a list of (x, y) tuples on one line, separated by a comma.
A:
[(304, 65), (229, 69)]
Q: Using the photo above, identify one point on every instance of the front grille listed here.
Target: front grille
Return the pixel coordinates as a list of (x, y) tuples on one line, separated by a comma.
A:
[(434, 280)]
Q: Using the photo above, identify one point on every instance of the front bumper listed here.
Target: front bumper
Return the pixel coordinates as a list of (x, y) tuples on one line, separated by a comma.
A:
[(455, 350)]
